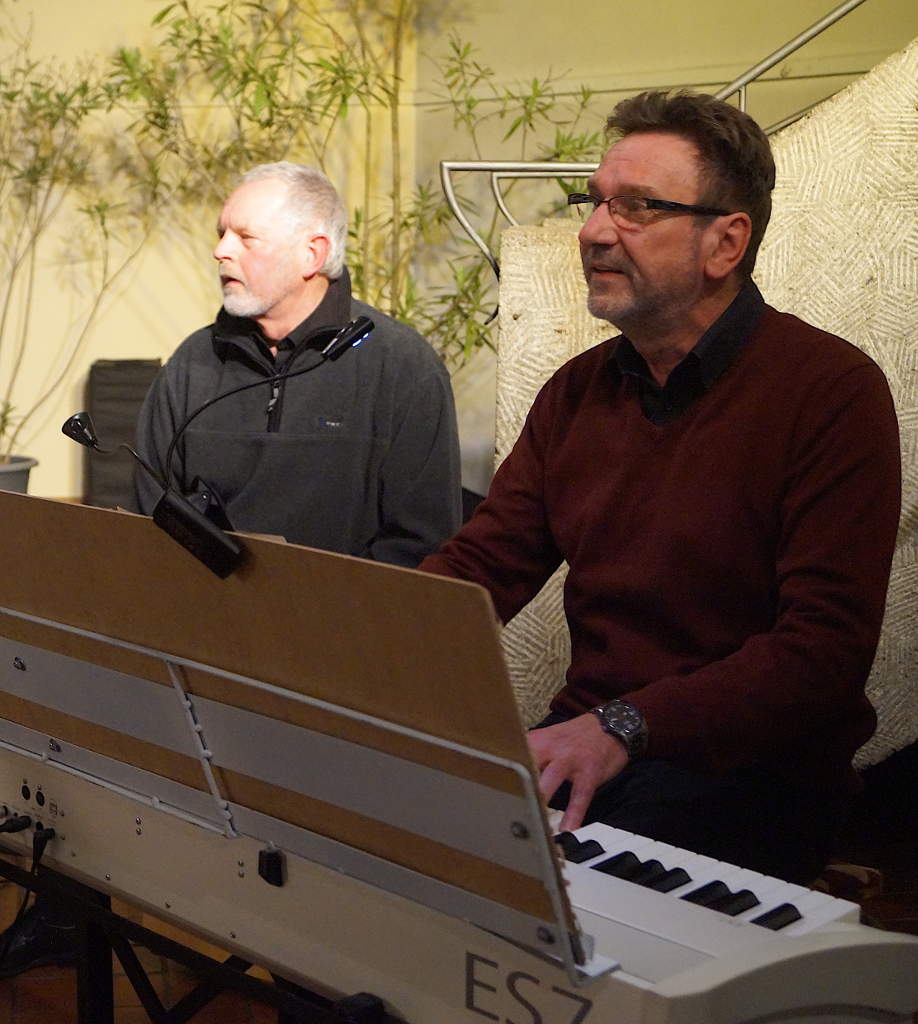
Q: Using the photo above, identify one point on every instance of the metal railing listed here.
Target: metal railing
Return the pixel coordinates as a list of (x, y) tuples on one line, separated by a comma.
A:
[(500, 170)]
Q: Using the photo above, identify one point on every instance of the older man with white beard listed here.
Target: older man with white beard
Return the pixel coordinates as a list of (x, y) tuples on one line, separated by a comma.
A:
[(359, 456)]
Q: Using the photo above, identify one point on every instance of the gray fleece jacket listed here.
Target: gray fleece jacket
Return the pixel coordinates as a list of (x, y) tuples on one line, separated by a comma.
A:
[(360, 455)]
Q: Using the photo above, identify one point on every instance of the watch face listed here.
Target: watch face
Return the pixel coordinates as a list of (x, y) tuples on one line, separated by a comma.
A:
[(623, 717), (622, 720)]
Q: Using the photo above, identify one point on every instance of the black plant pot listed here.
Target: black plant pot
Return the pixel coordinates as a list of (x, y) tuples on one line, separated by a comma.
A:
[(14, 475)]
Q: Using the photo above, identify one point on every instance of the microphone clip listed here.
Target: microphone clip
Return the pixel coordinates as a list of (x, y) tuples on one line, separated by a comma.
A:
[(220, 552)]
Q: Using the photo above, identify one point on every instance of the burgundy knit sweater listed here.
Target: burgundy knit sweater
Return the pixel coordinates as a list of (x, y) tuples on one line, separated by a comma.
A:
[(728, 569)]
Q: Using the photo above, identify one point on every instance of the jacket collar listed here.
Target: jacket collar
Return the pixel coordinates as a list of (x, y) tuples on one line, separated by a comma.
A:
[(239, 336)]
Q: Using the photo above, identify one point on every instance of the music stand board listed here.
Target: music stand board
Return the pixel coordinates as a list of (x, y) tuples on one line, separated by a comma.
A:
[(355, 717)]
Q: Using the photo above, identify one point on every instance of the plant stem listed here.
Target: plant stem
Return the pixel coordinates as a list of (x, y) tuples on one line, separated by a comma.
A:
[(398, 42)]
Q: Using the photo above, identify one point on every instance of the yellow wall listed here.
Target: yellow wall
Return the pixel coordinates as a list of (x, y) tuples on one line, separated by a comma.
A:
[(615, 47)]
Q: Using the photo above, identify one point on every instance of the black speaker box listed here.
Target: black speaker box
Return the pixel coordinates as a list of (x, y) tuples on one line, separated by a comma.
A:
[(115, 390)]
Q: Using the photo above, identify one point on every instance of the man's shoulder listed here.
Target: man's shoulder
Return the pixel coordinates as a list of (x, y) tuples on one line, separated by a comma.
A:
[(583, 367), (394, 340), (198, 345), (803, 345)]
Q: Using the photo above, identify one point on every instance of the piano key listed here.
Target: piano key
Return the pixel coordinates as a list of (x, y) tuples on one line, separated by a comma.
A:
[(736, 902), (651, 870), (707, 894), (622, 865), (818, 909), (675, 878), (615, 840), (702, 869), (778, 917), (576, 851), (697, 871)]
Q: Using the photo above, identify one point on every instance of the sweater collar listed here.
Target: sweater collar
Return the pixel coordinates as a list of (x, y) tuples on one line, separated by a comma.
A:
[(235, 334)]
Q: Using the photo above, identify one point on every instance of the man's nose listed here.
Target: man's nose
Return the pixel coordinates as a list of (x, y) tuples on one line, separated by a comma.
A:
[(599, 227), (223, 248)]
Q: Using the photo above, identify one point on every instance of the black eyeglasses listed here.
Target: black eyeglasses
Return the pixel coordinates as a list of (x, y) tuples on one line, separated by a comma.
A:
[(636, 211)]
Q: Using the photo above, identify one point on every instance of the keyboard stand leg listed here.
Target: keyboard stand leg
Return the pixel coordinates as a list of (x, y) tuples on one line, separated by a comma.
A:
[(95, 990), (361, 1008)]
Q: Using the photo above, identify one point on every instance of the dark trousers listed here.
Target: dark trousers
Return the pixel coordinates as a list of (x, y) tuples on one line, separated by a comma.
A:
[(751, 818)]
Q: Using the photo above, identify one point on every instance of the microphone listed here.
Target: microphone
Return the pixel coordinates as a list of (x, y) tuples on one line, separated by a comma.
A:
[(172, 513), (80, 428), (350, 336)]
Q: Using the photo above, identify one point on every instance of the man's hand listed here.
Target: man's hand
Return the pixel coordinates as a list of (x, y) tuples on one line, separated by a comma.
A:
[(578, 752)]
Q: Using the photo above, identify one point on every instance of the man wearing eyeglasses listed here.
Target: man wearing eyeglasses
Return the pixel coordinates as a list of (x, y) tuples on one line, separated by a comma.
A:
[(723, 482)]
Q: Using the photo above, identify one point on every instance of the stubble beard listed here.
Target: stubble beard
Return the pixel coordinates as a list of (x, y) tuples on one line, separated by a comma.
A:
[(638, 306), (615, 306)]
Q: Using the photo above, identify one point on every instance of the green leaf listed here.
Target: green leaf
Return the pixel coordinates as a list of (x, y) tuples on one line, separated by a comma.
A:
[(163, 14)]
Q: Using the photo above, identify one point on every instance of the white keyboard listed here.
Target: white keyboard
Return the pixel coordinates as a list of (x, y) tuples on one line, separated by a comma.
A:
[(659, 909)]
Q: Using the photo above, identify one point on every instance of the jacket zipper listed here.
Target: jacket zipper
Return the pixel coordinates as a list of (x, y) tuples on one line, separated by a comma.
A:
[(272, 401), (275, 404)]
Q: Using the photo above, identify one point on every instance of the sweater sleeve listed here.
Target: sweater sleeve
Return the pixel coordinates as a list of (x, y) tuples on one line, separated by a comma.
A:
[(838, 520), (420, 490), (507, 546)]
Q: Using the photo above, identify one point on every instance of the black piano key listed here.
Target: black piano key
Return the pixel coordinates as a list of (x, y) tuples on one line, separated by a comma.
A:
[(650, 871), (622, 865), (778, 917), (735, 902), (707, 894), (670, 880), (575, 851)]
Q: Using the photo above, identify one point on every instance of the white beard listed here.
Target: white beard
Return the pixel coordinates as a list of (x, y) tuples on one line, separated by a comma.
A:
[(242, 303)]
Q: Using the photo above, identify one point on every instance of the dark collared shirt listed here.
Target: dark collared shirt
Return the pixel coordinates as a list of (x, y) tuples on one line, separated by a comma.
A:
[(700, 369)]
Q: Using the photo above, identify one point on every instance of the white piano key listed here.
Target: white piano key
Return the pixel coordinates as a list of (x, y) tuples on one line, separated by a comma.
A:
[(612, 840), (818, 909)]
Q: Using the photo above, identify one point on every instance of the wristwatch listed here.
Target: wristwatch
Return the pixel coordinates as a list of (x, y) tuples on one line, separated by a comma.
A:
[(622, 720)]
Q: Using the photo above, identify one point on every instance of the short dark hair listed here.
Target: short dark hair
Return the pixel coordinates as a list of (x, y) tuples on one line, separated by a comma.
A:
[(737, 168)]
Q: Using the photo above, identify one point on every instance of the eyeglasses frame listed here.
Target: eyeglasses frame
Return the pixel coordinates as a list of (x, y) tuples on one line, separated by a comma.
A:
[(667, 205)]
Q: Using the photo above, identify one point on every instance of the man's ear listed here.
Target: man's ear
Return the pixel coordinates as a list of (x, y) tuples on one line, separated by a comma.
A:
[(729, 239), (315, 254)]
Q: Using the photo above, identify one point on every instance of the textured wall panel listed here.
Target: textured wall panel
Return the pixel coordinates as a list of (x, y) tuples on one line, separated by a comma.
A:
[(842, 252)]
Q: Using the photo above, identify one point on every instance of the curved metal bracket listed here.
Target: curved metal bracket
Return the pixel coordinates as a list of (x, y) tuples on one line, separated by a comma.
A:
[(500, 169)]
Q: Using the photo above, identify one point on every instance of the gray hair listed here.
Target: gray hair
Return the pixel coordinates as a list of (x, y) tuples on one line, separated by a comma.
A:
[(314, 205)]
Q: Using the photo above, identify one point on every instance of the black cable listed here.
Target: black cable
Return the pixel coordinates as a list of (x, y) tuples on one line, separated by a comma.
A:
[(276, 378), (40, 840), (18, 823)]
